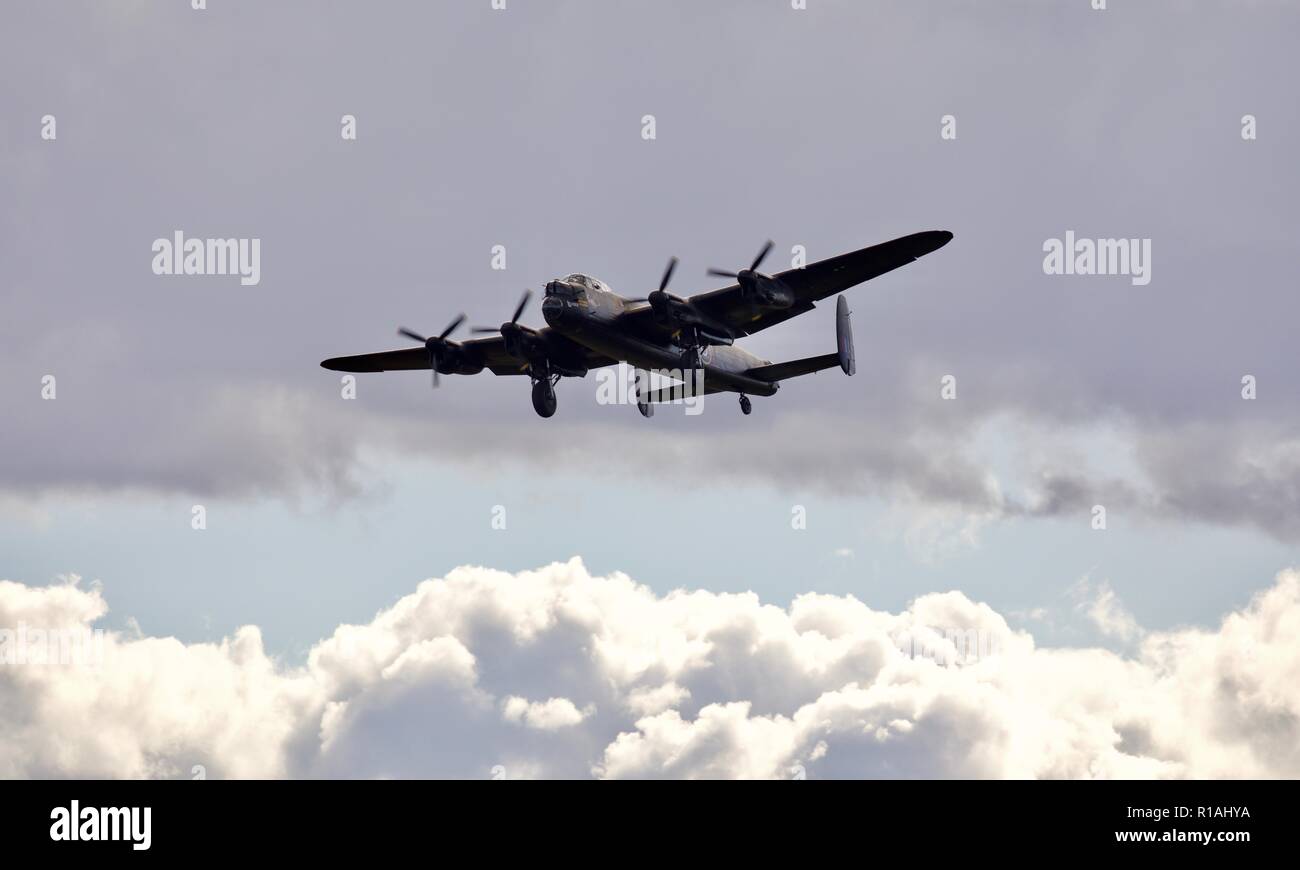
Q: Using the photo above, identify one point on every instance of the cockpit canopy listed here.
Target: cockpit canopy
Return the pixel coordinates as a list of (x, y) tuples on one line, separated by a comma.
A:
[(573, 286), (586, 281)]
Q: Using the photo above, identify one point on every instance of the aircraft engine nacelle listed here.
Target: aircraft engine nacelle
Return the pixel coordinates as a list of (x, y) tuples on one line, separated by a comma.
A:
[(453, 361), (523, 343), (764, 291), (569, 371), (529, 346), (449, 358), (678, 313)]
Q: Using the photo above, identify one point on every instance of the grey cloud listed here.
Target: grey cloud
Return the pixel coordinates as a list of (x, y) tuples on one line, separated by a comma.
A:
[(1224, 474)]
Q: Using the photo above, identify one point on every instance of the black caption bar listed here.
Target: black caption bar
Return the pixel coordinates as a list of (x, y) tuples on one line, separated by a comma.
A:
[(136, 820)]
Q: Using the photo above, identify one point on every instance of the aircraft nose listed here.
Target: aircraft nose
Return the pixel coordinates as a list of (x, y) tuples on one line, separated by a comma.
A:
[(556, 310)]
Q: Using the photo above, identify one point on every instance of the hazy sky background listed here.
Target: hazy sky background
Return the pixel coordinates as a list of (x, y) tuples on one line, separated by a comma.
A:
[(522, 128)]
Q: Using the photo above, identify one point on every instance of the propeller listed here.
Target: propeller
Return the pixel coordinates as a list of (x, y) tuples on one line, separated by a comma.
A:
[(437, 345), (668, 274), (663, 284), (681, 313), (519, 311), (758, 261)]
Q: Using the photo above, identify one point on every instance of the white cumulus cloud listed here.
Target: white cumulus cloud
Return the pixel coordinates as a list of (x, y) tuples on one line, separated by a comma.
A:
[(556, 672)]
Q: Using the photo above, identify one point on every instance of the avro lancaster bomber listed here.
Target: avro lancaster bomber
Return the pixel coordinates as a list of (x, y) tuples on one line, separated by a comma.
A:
[(589, 326)]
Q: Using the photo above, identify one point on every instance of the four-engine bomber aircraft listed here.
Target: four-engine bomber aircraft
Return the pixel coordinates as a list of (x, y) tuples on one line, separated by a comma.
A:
[(590, 326)]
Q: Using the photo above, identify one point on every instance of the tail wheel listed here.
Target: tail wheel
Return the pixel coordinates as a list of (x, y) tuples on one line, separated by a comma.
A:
[(745, 405)]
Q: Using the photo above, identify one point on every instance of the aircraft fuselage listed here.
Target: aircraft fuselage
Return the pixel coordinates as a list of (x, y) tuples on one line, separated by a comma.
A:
[(587, 312)]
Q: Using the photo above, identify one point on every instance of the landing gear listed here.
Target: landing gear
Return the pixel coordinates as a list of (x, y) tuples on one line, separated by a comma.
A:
[(691, 356), (745, 405), (544, 402)]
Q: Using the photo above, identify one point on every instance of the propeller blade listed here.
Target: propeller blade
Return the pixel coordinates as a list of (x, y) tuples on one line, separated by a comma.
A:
[(668, 273), (758, 261), (722, 273), (484, 330), (523, 303), (413, 336), (636, 299), (451, 327)]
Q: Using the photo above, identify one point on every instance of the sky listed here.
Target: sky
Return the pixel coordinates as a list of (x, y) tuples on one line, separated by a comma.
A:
[(821, 128)]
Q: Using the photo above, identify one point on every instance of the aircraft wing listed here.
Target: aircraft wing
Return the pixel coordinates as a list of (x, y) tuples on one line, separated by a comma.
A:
[(817, 281), (491, 352), (408, 358)]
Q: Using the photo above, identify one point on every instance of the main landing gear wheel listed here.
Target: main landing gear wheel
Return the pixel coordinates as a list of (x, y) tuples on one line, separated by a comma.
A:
[(745, 405), (544, 397)]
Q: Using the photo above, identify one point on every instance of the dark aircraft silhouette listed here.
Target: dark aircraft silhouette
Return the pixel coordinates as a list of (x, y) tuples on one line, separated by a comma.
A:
[(590, 326)]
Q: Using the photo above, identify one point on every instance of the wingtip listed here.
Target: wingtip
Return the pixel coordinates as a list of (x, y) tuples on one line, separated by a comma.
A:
[(931, 240)]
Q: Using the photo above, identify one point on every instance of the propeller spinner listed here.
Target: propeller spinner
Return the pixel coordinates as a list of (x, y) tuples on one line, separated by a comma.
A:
[(436, 345)]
